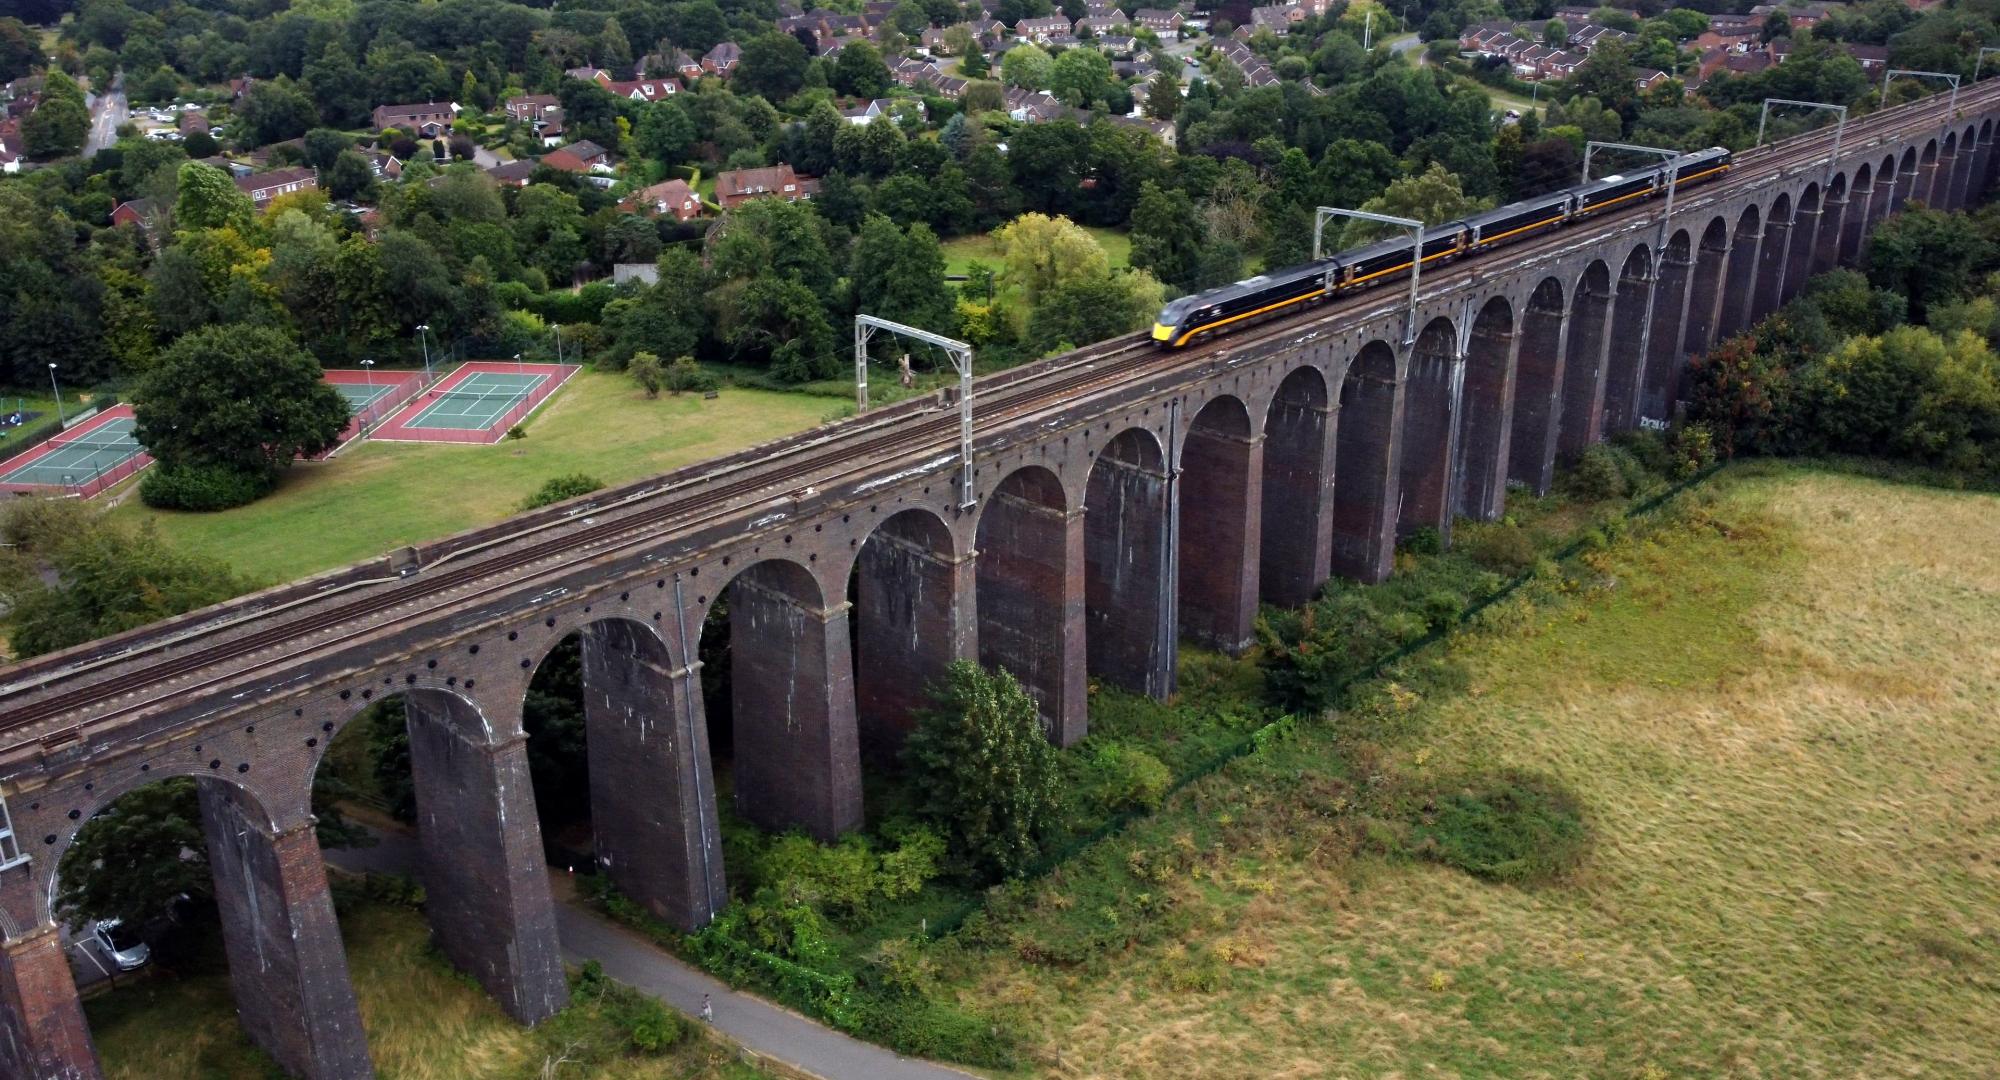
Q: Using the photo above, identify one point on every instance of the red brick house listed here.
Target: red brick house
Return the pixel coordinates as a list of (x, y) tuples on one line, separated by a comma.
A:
[(265, 186), (738, 186), (673, 197)]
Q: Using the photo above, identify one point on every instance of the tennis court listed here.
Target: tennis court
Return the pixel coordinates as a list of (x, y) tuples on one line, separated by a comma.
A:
[(371, 395), (478, 403), (85, 461)]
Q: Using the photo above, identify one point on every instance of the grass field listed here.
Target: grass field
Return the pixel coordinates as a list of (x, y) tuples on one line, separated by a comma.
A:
[(1777, 710), (376, 496), (424, 1022), (962, 251)]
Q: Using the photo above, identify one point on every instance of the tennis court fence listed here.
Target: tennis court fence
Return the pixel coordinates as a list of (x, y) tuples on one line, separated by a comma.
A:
[(84, 482)]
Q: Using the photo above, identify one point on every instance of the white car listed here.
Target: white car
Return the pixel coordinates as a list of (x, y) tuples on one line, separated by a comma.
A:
[(126, 951)]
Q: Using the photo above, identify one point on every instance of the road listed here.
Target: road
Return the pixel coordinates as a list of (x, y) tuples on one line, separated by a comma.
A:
[(107, 111), (749, 1021)]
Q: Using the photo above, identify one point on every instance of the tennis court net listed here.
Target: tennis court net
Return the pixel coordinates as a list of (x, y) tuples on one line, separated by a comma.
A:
[(123, 446), (469, 397)]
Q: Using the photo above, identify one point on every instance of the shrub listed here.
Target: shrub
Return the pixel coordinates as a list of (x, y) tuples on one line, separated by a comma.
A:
[(1498, 546), (686, 376), (646, 370), (1511, 825), (558, 488), (202, 487), (517, 432), (1128, 778), (1693, 450), (1598, 475)]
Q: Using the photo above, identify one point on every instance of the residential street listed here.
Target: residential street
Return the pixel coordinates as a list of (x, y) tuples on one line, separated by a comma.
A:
[(107, 111)]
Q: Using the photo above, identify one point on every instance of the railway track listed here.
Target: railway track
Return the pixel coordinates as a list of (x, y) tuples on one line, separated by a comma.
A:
[(602, 530)]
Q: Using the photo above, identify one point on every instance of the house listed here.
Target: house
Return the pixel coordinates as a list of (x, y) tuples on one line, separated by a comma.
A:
[(265, 186), (673, 197), (1646, 80), (385, 164), (1117, 44), (513, 173), (1040, 29), (1803, 16), (11, 151), (1158, 21), (722, 59), (428, 119), (1064, 40), (1747, 63), (1032, 106), (1096, 25), (193, 122), (1277, 18), (140, 212), (645, 89), (1255, 71), (590, 74), (867, 113), (565, 161), (591, 154), (684, 65), (529, 108), (735, 187), (950, 86), (239, 87), (1162, 130), (1872, 58), (1097, 9), (831, 46)]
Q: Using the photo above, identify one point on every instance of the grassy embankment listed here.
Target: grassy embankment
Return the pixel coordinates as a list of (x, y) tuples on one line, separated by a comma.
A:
[(375, 496), (424, 1022), (1776, 710)]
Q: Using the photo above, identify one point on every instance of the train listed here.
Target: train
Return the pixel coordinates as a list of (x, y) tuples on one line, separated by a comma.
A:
[(1228, 307)]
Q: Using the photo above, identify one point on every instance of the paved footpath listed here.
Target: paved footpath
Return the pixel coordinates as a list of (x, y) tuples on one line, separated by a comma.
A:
[(756, 1024)]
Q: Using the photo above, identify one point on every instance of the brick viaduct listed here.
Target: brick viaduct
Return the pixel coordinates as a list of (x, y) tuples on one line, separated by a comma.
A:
[(1163, 505)]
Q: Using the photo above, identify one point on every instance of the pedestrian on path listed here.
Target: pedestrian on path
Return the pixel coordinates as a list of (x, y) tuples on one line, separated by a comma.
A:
[(707, 1010)]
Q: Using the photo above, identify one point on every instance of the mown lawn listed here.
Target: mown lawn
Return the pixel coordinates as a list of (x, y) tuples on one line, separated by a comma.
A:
[(424, 1021), (1777, 711), (376, 496)]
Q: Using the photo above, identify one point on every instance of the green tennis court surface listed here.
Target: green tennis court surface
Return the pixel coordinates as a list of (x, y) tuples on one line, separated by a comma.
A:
[(361, 395), (66, 462), (475, 402)]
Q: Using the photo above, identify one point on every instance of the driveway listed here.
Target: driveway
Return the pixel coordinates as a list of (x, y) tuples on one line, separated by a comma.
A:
[(752, 1022)]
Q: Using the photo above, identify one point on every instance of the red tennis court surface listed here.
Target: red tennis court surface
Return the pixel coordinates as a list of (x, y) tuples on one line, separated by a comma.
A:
[(81, 461), (476, 404), (371, 395)]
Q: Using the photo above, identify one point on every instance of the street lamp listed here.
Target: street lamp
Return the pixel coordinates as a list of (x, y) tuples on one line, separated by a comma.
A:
[(61, 419), (368, 371), (518, 370), (423, 338)]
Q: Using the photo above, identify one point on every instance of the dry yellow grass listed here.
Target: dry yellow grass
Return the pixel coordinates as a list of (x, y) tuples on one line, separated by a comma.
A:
[(1781, 720)]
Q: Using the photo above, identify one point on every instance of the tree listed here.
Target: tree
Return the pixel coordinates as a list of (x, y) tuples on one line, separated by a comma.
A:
[(60, 121), (1043, 252), (1432, 198), (209, 199), (19, 51), (1091, 308), (860, 72), (898, 274), (773, 65), (1776, 25), (244, 399), (1929, 256), (647, 370), (1555, 34), (274, 111), (351, 178), (1167, 236), (1027, 67), (1080, 76), (105, 579), (986, 772), (1163, 96), (665, 133)]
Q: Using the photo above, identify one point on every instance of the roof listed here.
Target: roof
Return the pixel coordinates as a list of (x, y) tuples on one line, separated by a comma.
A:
[(421, 108), (584, 149), (754, 181), (565, 160), (668, 191), (516, 171), (264, 181)]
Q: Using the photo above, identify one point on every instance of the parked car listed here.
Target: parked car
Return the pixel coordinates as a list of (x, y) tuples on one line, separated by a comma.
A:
[(126, 950)]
